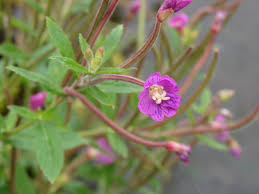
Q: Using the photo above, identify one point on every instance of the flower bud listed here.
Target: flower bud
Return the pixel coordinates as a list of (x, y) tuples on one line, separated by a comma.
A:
[(89, 54), (162, 15), (100, 52), (181, 150), (226, 94), (135, 6), (226, 113), (234, 148), (37, 100)]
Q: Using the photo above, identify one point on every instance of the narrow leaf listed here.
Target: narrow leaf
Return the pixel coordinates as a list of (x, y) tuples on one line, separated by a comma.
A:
[(117, 144), (23, 112), (212, 143), (70, 64), (113, 70), (71, 139), (60, 39), (23, 183), (36, 77), (11, 51), (83, 44), (35, 5), (118, 87), (111, 42), (50, 152)]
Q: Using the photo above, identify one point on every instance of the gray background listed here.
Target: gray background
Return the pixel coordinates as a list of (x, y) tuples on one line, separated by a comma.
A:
[(212, 172)]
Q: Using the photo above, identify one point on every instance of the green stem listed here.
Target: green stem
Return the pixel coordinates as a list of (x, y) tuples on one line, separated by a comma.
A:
[(141, 24)]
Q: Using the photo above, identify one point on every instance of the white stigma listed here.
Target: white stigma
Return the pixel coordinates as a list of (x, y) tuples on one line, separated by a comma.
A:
[(158, 94)]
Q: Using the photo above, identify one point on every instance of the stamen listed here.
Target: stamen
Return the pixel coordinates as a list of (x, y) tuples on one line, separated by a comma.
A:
[(158, 94)]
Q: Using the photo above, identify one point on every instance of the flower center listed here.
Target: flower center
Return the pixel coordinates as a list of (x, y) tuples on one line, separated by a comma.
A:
[(158, 94)]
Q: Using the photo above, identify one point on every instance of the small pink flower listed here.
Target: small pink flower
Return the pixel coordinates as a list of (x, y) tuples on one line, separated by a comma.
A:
[(159, 97), (135, 6), (234, 148), (181, 150), (176, 5), (37, 100), (221, 15), (220, 121), (179, 21), (108, 157)]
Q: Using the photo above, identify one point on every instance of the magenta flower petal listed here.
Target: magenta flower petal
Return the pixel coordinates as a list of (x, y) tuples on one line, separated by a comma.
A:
[(179, 21), (135, 6), (176, 5), (108, 157), (37, 100), (159, 98)]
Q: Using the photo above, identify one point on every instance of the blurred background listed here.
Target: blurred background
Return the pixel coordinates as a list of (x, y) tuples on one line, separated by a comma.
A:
[(210, 171)]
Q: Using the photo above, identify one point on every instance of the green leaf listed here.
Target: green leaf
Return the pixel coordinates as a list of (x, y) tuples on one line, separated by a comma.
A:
[(117, 144), (83, 44), (23, 112), (23, 183), (175, 40), (113, 70), (23, 26), (111, 42), (212, 143), (134, 101), (11, 120), (197, 108), (12, 52), (35, 5), (36, 77), (60, 39), (118, 87), (100, 96), (71, 139), (205, 98), (50, 154), (70, 64), (82, 5)]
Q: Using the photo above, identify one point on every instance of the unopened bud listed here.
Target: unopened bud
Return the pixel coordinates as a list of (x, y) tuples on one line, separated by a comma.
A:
[(92, 152), (88, 54), (234, 148), (162, 15), (100, 52), (226, 113), (226, 94)]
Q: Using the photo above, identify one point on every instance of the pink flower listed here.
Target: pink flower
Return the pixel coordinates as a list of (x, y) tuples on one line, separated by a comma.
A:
[(220, 121), (108, 157), (179, 21), (221, 15), (159, 97), (176, 5), (37, 100), (234, 148), (181, 150), (135, 6)]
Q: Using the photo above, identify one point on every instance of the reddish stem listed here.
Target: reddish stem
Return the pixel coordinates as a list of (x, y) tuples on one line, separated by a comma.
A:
[(123, 132), (124, 78), (145, 48), (197, 66), (105, 19), (208, 129)]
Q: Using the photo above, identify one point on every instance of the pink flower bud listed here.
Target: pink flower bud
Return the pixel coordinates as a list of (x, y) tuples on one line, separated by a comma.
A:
[(37, 100), (108, 157), (181, 150), (135, 6), (234, 148), (176, 5), (179, 21)]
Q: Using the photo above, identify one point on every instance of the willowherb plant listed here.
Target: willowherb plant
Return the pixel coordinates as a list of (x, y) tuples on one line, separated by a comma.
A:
[(73, 94)]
